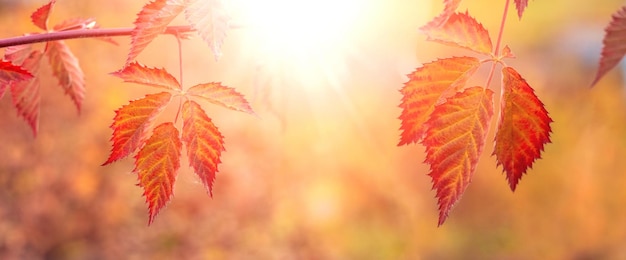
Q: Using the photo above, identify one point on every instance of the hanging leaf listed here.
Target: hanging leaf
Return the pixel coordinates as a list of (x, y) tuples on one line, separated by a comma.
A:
[(25, 93), (137, 73), (614, 44), (461, 30), (211, 21), (40, 16), (66, 69), (427, 86), (131, 122), (449, 9), (224, 96), (454, 141), (521, 5), (204, 143), (18, 53), (156, 166), (10, 72), (523, 127), (151, 21)]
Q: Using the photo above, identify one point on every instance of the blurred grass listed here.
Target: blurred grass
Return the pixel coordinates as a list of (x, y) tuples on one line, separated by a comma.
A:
[(320, 176)]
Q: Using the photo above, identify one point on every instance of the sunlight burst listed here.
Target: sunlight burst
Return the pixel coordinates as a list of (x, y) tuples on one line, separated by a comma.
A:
[(301, 38)]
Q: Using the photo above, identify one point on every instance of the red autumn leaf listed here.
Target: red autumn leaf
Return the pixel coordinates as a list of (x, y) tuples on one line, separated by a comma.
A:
[(614, 44), (454, 141), (461, 30), (521, 5), (204, 143), (66, 69), (449, 9), (210, 19), (40, 16), (131, 122), (523, 127), (18, 53), (224, 96), (25, 93), (10, 72), (156, 166), (427, 86), (137, 73), (10, 69), (151, 21)]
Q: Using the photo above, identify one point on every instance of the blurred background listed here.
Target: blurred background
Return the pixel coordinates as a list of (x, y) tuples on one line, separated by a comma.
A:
[(318, 175)]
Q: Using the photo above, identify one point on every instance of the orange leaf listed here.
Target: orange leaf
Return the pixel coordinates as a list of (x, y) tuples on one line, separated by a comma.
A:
[(224, 96), (25, 93), (454, 141), (523, 127), (427, 86), (210, 19), (614, 44), (461, 30), (40, 16), (204, 143), (521, 5), (156, 165), (151, 21), (66, 69), (449, 9), (137, 73), (131, 123)]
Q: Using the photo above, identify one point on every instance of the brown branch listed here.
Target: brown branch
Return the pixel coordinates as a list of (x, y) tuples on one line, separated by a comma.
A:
[(81, 33)]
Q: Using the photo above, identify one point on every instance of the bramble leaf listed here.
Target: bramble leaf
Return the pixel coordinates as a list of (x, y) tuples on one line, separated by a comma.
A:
[(66, 69), (40, 16), (18, 53), (454, 141), (25, 93), (211, 21), (204, 143), (131, 122), (11, 72), (427, 86), (523, 127), (156, 166), (461, 30), (449, 9), (224, 96), (614, 44), (151, 21), (521, 5), (137, 73)]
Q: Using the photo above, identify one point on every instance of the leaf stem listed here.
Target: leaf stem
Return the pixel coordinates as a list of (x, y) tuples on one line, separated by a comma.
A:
[(180, 60), (496, 50)]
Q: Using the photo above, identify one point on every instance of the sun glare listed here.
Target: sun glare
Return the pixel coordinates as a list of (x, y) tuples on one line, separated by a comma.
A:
[(301, 24), (302, 38)]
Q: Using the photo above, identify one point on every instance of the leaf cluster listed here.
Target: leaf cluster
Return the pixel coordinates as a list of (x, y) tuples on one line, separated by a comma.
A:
[(452, 119)]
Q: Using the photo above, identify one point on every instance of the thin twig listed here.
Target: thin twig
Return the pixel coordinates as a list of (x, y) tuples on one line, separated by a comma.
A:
[(81, 33)]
